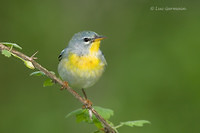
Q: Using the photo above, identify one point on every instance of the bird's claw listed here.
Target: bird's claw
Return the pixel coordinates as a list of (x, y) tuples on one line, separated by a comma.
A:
[(87, 104)]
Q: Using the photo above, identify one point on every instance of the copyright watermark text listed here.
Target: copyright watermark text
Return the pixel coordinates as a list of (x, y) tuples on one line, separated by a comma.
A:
[(167, 8)]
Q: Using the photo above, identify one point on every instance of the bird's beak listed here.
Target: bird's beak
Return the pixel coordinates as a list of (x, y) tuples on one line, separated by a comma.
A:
[(99, 38)]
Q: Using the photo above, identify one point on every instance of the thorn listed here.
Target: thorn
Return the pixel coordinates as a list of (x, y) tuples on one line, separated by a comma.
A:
[(34, 58), (64, 86)]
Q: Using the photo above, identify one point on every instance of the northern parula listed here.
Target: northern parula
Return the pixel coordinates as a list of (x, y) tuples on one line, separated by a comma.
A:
[(82, 62)]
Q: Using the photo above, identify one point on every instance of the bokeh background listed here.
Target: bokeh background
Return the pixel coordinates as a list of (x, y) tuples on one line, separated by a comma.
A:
[(153, 60)]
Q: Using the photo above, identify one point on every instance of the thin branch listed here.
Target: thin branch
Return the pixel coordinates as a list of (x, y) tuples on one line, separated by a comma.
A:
[(107, 127)]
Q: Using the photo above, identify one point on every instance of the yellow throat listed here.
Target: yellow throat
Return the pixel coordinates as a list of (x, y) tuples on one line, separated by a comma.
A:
[(95, 46)]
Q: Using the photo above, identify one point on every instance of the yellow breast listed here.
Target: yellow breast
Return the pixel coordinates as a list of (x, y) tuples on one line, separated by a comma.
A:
[(84, 65)]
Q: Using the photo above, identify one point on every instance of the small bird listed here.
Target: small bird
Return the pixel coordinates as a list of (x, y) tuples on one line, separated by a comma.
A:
[(82, 63)]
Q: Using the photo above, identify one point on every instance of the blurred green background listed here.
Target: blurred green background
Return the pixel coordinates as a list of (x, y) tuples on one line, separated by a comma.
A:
[(153, 60)]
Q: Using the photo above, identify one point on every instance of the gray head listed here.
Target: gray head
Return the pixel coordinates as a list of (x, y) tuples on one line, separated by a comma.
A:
[(81, 41), (83, 37)]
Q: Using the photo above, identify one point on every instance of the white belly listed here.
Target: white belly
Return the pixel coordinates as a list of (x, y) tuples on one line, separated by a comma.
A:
[(78, 78)]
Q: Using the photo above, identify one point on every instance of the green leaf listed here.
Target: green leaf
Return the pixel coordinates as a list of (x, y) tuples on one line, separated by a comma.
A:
[(40, 73), (11, 44), (75, 112), (138, 123), (6, 53), (82, 115), (37, 73), (48, 82), (97, 123), (105, 113)]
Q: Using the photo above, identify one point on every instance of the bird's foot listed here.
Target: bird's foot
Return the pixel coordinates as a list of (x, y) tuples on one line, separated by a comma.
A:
[(88, 104)]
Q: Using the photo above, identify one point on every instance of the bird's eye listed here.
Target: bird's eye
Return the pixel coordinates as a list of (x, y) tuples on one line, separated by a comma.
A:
[(86, 39)]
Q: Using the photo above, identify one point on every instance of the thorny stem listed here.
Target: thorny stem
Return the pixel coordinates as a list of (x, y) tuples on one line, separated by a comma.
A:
[(107, 127)]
